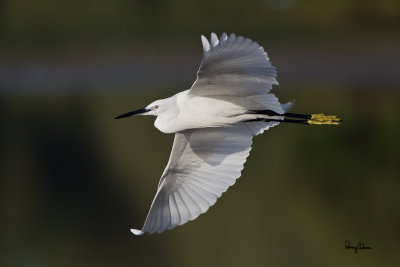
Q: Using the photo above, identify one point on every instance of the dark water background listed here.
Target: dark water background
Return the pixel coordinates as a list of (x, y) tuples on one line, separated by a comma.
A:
[(73, 181)]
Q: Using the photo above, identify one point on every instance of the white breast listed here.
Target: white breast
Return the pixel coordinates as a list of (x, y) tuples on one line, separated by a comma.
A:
[(190, 112)]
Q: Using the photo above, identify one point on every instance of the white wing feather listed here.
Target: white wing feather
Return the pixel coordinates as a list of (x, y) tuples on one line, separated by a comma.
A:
[(233, 66), (203, 164)]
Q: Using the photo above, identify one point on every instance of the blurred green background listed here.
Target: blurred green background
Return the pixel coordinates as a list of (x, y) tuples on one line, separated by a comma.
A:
[(73, 181)]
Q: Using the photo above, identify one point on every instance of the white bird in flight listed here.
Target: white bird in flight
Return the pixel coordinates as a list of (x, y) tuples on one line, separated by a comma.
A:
[(214, 123)]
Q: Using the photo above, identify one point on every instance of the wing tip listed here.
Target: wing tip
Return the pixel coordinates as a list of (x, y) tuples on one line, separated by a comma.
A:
[(214, 39), (137, 232), (223, 37), (206, 44)]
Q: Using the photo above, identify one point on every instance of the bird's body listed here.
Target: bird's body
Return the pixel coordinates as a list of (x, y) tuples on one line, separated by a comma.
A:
[(188, 111), (214, 123)]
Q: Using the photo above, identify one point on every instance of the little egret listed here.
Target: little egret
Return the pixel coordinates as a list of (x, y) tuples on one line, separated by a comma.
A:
[(214, 123)]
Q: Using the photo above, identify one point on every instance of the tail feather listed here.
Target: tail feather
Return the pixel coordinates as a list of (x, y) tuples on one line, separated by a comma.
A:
[(137, 232), (287, 106)]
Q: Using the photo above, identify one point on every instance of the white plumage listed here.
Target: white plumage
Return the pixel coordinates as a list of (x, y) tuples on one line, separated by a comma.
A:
[(214, 123), (203, 164)]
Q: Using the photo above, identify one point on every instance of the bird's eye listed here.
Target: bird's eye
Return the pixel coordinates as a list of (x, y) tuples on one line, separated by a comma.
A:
[(156, 107)]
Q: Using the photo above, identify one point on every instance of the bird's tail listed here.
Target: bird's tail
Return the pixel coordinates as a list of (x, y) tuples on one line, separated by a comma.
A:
[(287, 106)]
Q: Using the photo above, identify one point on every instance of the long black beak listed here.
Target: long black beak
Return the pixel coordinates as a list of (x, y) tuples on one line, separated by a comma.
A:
[(135, 112)]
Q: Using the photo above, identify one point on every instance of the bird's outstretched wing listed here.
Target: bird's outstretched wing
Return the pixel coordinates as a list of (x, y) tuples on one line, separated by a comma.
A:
[(233, 66), (203, 164)]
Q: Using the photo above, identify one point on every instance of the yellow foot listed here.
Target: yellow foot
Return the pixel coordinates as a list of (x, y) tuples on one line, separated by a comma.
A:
[(324, 119)]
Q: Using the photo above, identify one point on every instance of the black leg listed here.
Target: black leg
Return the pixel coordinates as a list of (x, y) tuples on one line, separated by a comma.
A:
[(269, 112), (283, 120), (300, 116), (317, 119)]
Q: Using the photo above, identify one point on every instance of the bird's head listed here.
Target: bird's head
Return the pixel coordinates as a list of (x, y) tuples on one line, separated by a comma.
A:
[(154, 108)]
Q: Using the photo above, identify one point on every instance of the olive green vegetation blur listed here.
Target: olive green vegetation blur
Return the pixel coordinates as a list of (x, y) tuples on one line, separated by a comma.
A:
[(64, 22), (74, 180)]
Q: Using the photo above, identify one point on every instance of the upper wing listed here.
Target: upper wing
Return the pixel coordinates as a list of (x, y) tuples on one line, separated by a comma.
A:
[(203, 164), (233, 66)]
